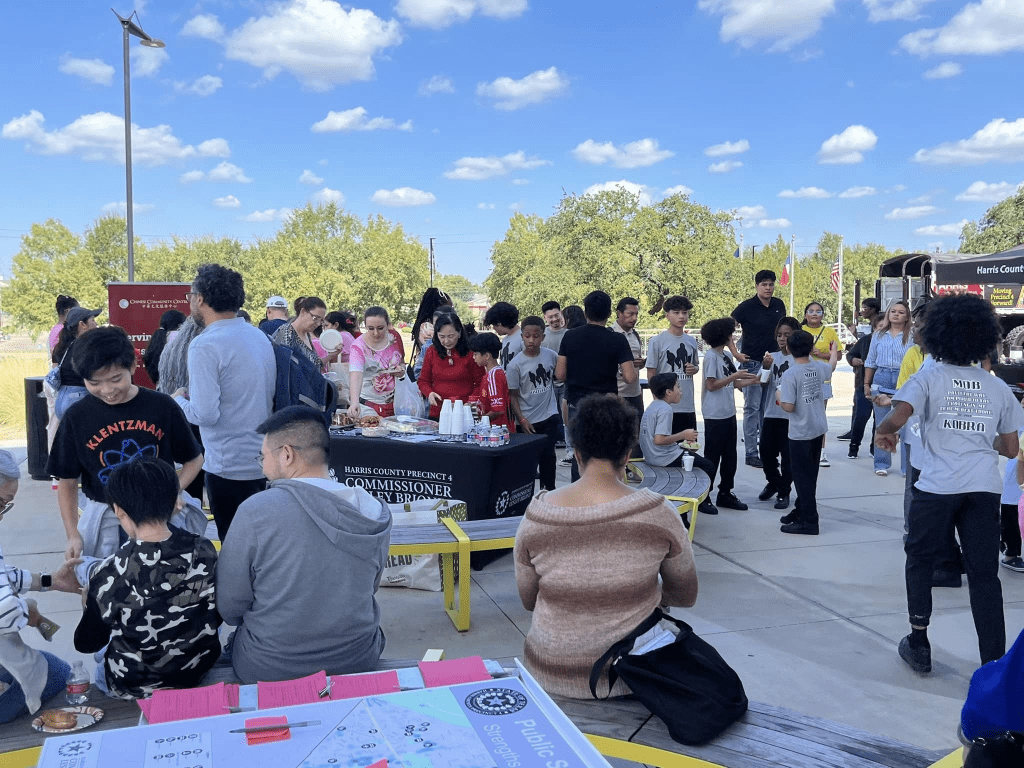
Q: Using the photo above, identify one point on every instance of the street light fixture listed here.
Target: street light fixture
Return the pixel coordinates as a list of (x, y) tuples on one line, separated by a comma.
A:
[(129, 27)]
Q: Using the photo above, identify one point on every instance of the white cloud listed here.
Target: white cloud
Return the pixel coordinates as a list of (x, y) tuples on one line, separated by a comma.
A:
[(317, 41), (678, 189), (207, 85), (436, 84), (988, 193), (913, 212), (783, 23), (925, 198), (987, 27), (944, 70), (223, 172), (310, 178), (146, 62), (858, 192), (897, 188), (271, 214), (635, 154), (728, 148), (774, 223), (228, 201), (941, 230), (814, 193), (748, 215), (328, 195), (480, 168), (443, 13), (205, 25), (998, 142), (645, 193), (403, 197), (94, 70), (847, 147), (121, 209), (509, 94), (894, 10), (355, 120), (725, 166), (99, 137), (520, 182), (485, 206)]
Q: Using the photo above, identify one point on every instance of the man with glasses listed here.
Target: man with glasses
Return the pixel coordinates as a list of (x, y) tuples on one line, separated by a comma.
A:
[(232, 373), (299, 574)]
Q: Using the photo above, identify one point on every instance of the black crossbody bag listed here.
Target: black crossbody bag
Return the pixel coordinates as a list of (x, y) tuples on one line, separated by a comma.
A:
[(685, 684)]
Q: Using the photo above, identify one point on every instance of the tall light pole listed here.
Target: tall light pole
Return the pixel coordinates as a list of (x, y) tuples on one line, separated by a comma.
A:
[(129, 27)]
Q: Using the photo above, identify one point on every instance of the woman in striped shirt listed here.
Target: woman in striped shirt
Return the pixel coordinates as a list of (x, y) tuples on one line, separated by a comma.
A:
[(882, 367)]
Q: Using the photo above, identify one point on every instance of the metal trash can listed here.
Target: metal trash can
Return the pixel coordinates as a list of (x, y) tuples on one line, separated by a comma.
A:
[(36, 419)]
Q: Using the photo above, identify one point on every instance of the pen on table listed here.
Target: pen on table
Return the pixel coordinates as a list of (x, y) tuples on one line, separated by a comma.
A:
[(277, 727)]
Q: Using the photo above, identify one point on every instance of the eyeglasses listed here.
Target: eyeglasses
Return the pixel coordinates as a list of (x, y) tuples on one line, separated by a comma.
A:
[(190, 295), (317, 319), (6, 508), (815, 312), (261, 456)]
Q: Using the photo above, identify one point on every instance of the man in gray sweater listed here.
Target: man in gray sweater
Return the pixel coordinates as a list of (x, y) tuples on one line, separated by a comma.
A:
[(300, 570)]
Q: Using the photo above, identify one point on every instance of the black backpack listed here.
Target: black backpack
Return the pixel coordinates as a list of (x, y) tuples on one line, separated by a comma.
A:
[(299, 382)]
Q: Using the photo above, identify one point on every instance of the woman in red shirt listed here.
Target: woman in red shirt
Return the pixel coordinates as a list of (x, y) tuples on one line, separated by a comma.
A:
[(449, 372)]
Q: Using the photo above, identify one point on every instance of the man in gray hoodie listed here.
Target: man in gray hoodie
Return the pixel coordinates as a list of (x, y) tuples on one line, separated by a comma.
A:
[(299, 572)]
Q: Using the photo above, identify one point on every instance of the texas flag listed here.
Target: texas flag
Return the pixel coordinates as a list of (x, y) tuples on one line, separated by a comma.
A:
[(785, 270)]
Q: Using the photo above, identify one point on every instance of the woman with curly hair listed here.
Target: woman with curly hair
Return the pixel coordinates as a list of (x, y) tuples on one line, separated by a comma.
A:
[(968, 417), (580, 565), (882, 368)]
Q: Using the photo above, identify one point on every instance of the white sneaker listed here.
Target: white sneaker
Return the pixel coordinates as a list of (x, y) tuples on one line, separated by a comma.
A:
[(566, 460), (824, 461), (881, 472)]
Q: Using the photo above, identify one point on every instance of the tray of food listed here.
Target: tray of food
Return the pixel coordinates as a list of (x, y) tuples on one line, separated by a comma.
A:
[(410, 425)]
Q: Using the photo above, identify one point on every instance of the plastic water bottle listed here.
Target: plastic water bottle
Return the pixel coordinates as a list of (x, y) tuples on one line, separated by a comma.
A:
[(78, 685)]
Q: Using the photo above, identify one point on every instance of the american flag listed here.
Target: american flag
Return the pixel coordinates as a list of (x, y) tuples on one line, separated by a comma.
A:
[(835, 276)]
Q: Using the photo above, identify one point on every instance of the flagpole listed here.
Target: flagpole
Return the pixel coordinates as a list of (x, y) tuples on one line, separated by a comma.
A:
[(840, 308), (792, 275)]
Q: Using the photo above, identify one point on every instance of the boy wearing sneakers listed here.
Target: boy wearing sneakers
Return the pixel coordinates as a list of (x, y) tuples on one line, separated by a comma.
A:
[(531, 378), (801, 394), (718, 406), (674, 351), (774, 447), (119, 423)]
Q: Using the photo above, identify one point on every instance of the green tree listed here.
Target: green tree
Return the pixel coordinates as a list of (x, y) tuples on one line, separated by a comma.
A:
[(1000, 228)]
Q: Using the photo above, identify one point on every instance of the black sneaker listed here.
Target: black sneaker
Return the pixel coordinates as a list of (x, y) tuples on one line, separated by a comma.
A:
[(792, 517), (918, 659), (767, 493), (754, 461), (730, 501), (707, 508), (1013, 563), (806, 529), (846, 435), (782, 502), (853, 453)]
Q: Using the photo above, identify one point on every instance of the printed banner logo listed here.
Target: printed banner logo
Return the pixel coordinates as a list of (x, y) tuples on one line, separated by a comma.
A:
[(496, 701)]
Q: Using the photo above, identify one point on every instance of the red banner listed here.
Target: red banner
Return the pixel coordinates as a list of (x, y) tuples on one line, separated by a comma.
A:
[(137, 308)]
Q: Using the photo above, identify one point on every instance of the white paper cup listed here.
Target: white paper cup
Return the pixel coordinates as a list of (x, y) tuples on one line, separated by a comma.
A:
[(766, 374), (688, 462)]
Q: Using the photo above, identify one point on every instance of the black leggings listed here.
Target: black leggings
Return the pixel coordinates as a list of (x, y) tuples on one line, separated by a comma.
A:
[(226, 496)]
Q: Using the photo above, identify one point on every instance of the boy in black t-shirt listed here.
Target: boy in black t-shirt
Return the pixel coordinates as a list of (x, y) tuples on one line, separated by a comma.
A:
[(118, 424)]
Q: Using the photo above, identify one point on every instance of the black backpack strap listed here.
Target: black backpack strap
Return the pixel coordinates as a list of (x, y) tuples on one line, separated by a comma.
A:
[(622, 647)]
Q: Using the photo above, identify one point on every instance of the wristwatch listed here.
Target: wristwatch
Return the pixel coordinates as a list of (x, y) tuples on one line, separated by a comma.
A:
[(45, 582)]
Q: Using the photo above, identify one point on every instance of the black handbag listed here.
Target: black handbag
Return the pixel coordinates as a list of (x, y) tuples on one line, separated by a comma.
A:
[(685, 684), (1003, 751)]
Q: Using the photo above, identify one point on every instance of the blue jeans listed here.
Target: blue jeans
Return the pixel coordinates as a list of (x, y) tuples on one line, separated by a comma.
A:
[(66, 397), (12, 701), (755, 401), (885, 378)]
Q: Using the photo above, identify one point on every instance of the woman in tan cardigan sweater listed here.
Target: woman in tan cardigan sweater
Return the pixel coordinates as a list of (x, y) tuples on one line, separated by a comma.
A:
[(588, 556)]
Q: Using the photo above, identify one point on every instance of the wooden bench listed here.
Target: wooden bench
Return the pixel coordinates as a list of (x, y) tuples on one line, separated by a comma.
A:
[(686, 490), (765, 737)]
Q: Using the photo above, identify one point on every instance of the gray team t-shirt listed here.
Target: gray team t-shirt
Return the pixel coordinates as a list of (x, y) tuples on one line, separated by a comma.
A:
[(803, 386), (667, 353), (553, 339), (511, 346), (962, 411), (780, 364), (534, 377), (720, 404), (657, 420)]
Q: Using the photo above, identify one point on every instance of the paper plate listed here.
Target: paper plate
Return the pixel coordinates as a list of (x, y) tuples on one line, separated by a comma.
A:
[(87, 716), (330, 339)]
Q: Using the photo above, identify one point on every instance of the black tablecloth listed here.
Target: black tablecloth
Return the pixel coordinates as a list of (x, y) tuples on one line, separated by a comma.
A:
[(494, 482)]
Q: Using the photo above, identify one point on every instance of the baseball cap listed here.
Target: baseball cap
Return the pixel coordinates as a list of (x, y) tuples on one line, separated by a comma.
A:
[(78, 315), (277, 302)]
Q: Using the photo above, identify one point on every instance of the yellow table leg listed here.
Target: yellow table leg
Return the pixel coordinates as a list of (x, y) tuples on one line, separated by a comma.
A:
[(460, 617)]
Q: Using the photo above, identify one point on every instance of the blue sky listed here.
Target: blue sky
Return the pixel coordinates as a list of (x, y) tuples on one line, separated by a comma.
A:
[(890, 121)]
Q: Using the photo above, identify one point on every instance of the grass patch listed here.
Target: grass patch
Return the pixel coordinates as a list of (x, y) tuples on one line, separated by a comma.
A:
[(14, 369)]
